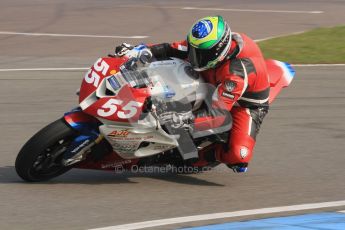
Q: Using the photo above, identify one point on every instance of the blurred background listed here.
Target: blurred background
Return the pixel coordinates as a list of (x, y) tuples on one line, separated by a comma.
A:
[(159, 21)]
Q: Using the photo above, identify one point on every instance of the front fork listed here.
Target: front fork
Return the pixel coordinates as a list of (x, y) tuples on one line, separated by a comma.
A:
[(87, 129)]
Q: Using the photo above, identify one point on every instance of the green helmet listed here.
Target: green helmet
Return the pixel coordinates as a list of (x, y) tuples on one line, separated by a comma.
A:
[(209, 41)]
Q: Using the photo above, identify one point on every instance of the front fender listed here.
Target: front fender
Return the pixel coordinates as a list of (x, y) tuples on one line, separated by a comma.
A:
[(80, 121), (88, 135)]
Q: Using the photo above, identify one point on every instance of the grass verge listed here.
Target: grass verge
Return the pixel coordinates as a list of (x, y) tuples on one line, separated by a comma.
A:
[(318, 46)]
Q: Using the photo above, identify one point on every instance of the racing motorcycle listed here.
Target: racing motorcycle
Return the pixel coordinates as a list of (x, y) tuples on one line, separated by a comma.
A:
[(118, 125)]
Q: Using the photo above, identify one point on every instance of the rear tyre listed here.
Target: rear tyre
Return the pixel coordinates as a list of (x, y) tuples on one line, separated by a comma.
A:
[(40, 158)]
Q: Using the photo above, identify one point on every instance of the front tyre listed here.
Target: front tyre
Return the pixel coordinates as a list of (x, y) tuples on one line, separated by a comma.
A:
[(40, 158)]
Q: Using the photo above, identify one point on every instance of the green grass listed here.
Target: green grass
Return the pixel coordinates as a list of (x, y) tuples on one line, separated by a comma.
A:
[(318, 46)]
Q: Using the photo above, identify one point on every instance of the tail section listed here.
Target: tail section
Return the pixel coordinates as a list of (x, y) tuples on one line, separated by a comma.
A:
[(281, 74)]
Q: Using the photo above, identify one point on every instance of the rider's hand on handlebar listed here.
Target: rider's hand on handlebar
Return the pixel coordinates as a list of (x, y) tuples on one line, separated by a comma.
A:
[(145, 55), (141, 53), (123, 49)]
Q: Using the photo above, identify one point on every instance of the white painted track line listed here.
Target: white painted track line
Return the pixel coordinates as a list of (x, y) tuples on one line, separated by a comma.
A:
[(72, 35), (278, 36), (86, 68), (212, 216), (226, 9), (43, 69), (255, 11), (318, 65)]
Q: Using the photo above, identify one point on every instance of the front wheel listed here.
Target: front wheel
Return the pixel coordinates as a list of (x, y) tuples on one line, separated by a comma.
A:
[(40, 158)]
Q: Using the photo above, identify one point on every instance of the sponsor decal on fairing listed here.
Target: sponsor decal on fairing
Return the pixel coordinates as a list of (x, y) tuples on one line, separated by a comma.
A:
[(119, 133)]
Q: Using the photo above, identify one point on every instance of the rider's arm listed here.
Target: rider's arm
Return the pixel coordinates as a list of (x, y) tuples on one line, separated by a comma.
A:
[(230, 89), (165, 50), (234, 83)]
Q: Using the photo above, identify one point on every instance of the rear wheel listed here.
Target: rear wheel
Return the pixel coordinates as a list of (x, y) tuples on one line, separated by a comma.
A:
[(40, 158)]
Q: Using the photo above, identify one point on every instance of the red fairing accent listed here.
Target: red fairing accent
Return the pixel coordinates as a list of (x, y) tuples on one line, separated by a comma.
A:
[(126, 95), (114, 64), (133, 98), (79, 117)]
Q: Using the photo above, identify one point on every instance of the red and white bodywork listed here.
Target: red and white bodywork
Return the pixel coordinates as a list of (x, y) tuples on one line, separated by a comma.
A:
[(122, 126), (118, 123)]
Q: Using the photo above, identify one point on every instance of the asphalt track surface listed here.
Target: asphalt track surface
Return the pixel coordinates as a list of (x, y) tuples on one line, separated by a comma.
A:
[(300, 151)]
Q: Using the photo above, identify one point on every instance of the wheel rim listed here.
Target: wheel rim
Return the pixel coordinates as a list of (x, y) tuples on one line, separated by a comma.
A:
[(49, 161)]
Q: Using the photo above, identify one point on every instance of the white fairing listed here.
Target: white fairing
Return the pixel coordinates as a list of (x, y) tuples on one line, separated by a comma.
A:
[(172, 80), (140, 141)]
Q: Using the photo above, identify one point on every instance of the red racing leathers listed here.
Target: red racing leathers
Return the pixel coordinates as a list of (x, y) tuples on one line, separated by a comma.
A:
[(242, 88)]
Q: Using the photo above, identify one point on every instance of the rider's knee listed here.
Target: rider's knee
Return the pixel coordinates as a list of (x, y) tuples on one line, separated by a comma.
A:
[(240, 149)]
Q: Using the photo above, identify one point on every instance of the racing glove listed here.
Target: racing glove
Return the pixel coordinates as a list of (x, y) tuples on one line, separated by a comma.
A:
[(123, 49), (141, 52)]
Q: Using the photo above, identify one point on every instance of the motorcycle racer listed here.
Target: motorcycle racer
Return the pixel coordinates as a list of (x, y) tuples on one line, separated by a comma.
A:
[(234, 64)]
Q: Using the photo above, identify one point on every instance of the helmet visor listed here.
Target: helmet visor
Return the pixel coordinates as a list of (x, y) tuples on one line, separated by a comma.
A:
[(199, 58)]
